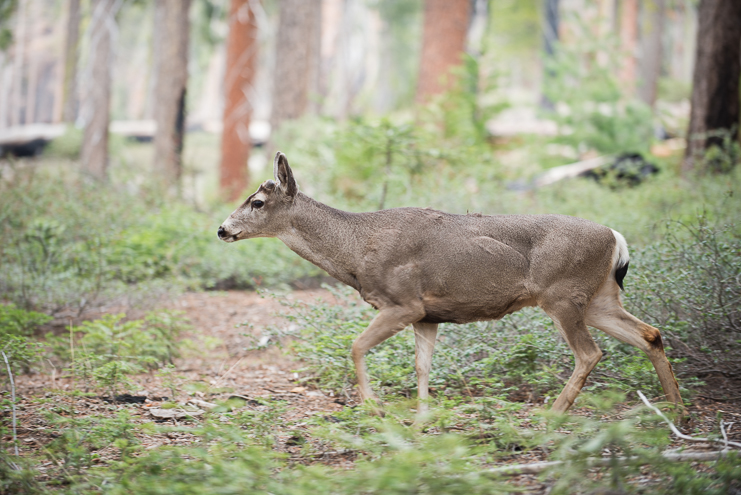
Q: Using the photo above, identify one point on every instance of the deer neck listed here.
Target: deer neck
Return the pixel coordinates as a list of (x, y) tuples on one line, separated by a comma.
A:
[(329, 238)]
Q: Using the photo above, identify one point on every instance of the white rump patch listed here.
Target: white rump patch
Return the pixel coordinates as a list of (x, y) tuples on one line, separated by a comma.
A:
[(620, 257)]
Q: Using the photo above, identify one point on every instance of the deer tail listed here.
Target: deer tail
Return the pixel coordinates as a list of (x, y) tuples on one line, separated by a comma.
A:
[(620, 258)]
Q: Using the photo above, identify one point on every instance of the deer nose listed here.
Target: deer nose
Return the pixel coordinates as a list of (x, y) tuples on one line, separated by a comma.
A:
[(221, 232)]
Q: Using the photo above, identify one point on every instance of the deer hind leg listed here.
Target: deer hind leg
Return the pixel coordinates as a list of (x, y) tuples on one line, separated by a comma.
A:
[(386, 324), (569, 320), (424, 340), (606, 313)]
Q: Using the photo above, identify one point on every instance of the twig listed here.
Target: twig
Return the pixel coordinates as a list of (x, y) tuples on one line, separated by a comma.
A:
[(723, 431), (537, 467), (676, 431), (12, 404)]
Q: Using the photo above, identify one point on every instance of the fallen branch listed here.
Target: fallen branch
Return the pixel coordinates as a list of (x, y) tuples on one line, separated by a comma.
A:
[(537, 467), (12, 403), (678, 433)]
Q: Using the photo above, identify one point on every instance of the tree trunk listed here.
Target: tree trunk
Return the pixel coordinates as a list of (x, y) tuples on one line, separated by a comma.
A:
[(715, 85), (98, 95), (550, 38), (18, 65), (69, 88), (241, 57), (653, 50), (443, 44), (628, 42), (171, 83), (296, 59)]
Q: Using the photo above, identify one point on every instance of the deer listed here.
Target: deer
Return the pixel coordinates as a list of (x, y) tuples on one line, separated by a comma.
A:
[(422, 267)]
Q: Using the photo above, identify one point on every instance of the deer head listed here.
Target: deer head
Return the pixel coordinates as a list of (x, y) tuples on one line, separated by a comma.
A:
[(267, 211)]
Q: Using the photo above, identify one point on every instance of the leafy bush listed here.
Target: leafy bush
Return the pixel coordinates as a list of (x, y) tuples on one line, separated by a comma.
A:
[(689, 286), (110, 349), (78, 439), (594, 110), (104, 244), (16, 328)]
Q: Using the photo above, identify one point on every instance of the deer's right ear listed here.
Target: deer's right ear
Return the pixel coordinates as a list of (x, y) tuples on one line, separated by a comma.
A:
[(284, 175)]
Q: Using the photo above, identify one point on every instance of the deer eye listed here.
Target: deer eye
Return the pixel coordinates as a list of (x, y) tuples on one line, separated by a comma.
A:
[(257, 203)]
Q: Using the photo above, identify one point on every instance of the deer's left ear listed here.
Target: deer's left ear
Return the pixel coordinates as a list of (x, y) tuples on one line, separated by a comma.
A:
[(284, 175)]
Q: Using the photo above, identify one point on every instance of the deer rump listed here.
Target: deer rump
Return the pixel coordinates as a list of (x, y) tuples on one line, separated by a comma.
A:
[(464, 268)]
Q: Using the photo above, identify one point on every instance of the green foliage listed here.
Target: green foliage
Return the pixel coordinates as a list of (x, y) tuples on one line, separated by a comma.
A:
[(723, 152), (16, 328), (111, 349), (67, 146), (688, 286), (79, 439), (593, 108), (72, 246), (7, 7)]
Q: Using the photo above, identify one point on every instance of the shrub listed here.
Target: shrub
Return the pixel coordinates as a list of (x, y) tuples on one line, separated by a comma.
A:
[(688, 285), (104, 244), (16, 328)]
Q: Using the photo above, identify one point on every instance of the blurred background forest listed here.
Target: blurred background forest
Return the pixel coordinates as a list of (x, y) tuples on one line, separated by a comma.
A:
[(130, 129)]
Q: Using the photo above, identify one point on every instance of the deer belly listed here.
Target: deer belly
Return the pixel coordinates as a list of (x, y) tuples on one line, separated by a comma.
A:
[(455, 310)]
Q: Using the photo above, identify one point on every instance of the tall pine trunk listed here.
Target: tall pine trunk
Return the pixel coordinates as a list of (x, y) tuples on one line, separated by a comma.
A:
[(241, 57), (98, 94), (16, 99), (171, 82), (297, 59), (69, 81), (655, 14), (443, 44), (715, 85), (628, 42)]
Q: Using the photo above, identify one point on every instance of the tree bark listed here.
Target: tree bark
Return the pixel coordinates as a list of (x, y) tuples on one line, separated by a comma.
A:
[(628, 42), (550, 38), (296, 59), (653, 50), (98, 95), (18, 64), (443, 44), (241, 57), (715, 85), (171, 84), (69, 83)]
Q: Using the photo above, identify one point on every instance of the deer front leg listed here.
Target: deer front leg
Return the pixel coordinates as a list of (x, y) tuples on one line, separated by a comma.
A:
[(424, 340), (387, 323)]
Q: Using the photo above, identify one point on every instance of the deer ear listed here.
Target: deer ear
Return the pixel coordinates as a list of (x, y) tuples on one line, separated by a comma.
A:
[(284, 175)]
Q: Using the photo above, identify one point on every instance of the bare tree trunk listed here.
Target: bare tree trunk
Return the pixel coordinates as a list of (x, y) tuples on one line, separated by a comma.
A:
[(296, 59), (172, 78), (18, 66), (6, 84), (550, 38), (629, 41), (69, 81), (443, 44), (98, 94), (655, 13), (241, 57), (715, 86)]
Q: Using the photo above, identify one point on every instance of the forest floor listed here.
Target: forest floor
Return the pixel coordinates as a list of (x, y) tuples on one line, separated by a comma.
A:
[(218, 360)]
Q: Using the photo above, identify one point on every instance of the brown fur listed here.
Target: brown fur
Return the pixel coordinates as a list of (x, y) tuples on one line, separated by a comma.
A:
[(423, 267)]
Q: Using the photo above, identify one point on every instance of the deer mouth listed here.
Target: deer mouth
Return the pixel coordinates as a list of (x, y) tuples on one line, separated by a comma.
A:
[(233, 238), (226, 237)]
